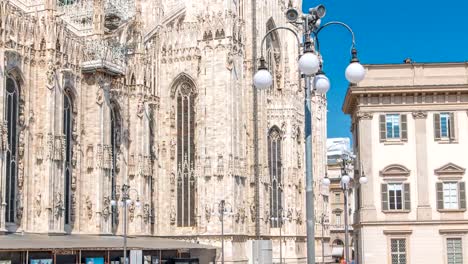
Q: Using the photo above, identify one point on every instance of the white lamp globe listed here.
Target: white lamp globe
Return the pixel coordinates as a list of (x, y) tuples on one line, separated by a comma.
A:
[(129, 202), (138, 203), (363, 180), (355, 72), (121, 204), (263, 79), (345, 179), (113, 203), (309, 63), (326, 182), (321, 84)]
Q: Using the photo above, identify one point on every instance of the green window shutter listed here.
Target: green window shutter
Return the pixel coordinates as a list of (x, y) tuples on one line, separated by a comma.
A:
[(383, 130), (406, 189), (440, 195), (462, 195), (384, 197), (404, 128), (437, 126), (452, 126)]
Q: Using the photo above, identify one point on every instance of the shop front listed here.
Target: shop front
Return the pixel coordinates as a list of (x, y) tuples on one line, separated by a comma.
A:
[(78, 249)]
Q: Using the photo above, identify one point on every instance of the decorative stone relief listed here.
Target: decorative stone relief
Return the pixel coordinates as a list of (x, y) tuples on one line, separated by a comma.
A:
[(131, 212), (299, 216), (364, 115), (100, 96), (173, 148), (40, 147), (38, 205), (253, 212), (50, 146), (89, 207), (172, 216), (131, 165), (58, 209), (207, 213), (100, 158), (146, 213), (50, 82), (89, 157), (266, 217), (140, 108), (19, 208), (106, 208), (4, 139), (172, 116), (73, 207), (419, 115)]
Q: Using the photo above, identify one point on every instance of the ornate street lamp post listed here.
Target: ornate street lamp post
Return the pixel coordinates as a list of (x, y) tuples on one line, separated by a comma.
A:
[(224, 208), (281, 218), (124, 202), (310, 65), (345, 186)]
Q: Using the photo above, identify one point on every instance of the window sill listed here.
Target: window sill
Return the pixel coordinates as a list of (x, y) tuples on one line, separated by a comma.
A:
[(396, 211), (446, 141), (393, 142), (451, 210)]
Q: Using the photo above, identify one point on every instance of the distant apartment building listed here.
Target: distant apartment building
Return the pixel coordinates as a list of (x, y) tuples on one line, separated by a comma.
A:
[(410, 136), (337, 150)]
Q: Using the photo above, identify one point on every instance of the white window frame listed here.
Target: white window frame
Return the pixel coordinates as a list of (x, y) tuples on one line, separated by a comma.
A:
[(402, 196), (451, 194), (446, 116), (338, 218), (395, 120), (398, 251), (447, 249)]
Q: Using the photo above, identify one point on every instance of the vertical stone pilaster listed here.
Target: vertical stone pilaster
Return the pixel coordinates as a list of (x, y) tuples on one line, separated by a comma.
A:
[(368, 211), (424, 211)]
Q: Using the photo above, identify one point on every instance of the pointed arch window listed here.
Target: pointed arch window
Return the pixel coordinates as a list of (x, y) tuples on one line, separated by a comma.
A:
[(185, 155), (11, 119), (115, 145), (67, 131), (276, 177)]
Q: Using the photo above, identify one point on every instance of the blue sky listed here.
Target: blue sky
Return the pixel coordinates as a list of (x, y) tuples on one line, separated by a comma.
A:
[(387, 32)]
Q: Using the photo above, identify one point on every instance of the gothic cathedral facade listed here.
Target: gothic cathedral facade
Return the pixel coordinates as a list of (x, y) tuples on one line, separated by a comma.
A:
[(158, 95)]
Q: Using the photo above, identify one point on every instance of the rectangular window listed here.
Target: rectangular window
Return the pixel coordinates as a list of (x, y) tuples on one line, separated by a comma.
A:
[(454, 251), (338, 219), (337, 198), (450, 195), (392, 124), (395, 196), (398, 251), (444, 125)]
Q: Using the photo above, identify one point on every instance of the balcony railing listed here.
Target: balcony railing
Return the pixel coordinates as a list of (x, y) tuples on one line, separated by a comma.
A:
[(79, 13)]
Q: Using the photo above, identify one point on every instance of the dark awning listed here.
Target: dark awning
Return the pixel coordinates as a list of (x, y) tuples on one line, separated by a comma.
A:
[(89, 242)]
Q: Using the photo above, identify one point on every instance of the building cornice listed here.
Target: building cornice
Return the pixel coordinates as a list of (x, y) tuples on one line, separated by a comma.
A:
[(406, 223), (356, 95)]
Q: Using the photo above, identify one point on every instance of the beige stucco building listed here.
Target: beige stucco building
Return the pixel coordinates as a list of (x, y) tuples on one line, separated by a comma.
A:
[(339, 149), (158, 95), (409, 123)]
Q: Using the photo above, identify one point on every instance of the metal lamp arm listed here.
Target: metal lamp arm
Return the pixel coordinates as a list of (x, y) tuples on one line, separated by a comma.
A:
[(275, 29), (353, 45), (126, 192)]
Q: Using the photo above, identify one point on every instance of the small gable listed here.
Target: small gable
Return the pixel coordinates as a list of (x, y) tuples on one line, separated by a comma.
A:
[(450, 169), (395, 170)]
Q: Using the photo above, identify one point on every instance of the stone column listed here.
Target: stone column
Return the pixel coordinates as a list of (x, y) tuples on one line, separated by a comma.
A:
[(367, 211), (424, 209), (2, 153)]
